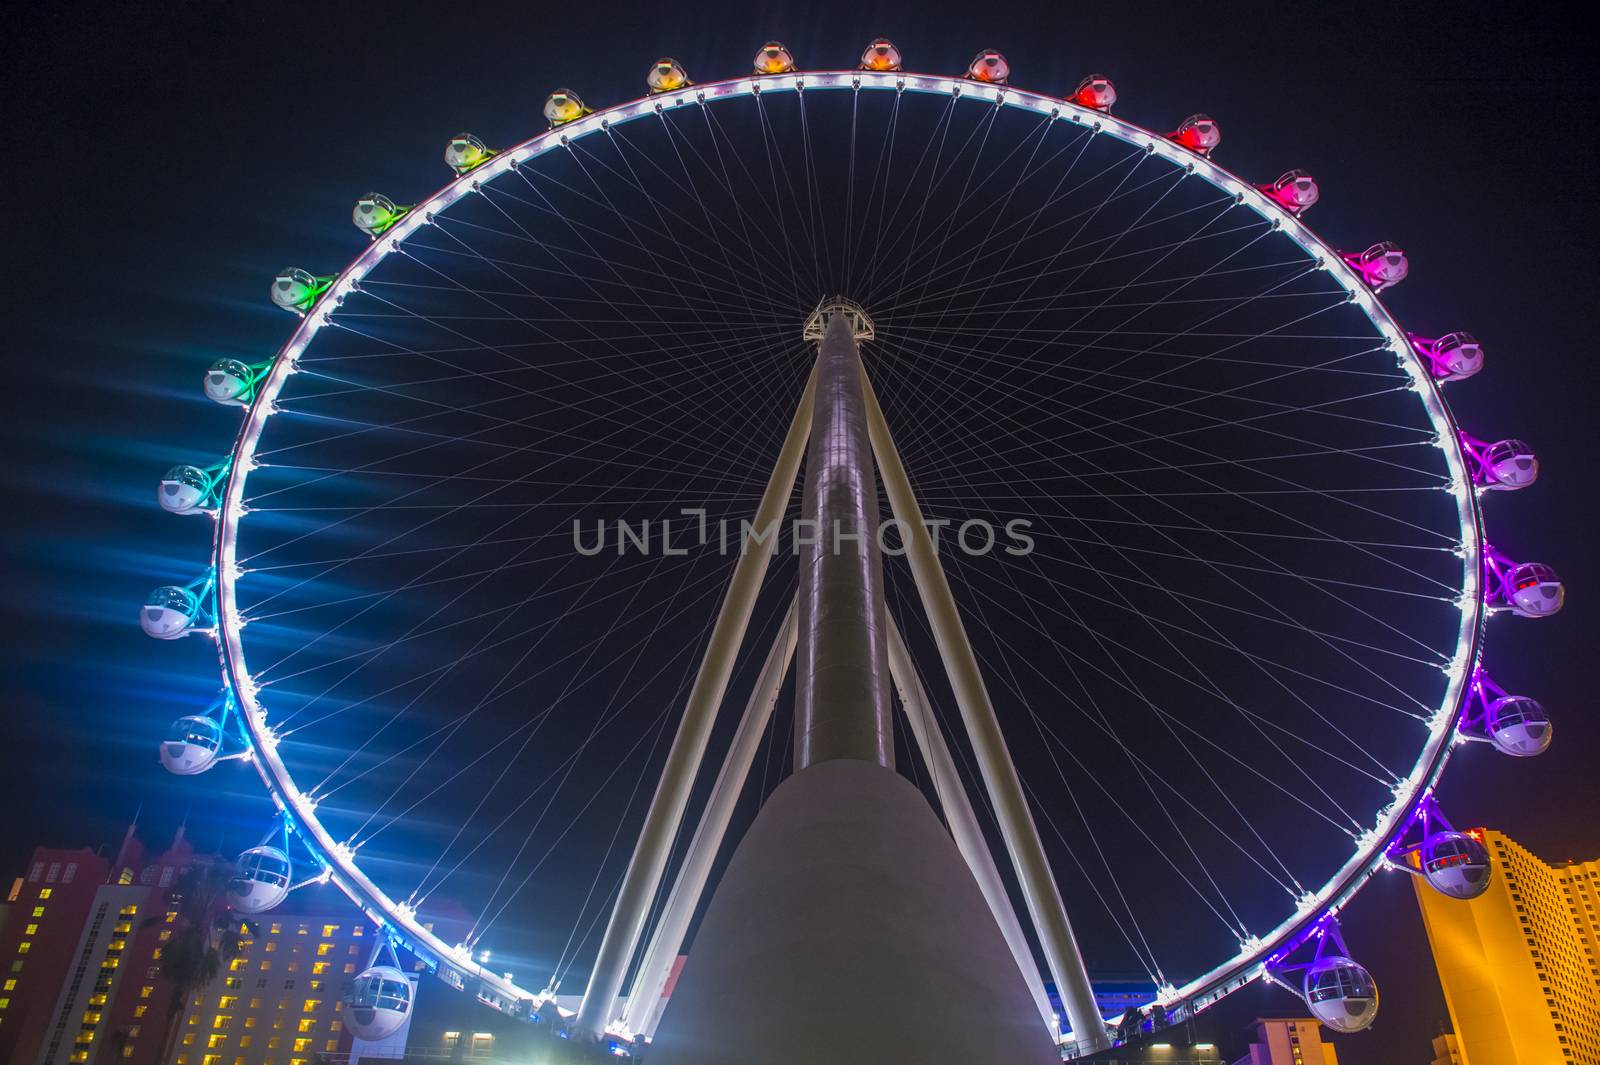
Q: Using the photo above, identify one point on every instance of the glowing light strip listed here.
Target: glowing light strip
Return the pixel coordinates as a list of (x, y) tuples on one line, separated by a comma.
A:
[(1250, 963)]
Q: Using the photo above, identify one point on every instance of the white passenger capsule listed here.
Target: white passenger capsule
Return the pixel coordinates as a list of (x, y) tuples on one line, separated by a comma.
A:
[(230, 382), (374, 213), (1341, 994), (170, 612), (1533, 590), (294, 289), (466, 152), (1456, 865), (260, 880), (563, 106), (1509, 464), (184, 490), (191, 746), (378, 1003), (1198, 133), (1518, 726)]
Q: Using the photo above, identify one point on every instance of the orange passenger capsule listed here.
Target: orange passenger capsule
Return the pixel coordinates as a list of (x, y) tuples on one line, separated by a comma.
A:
[(881, 55)]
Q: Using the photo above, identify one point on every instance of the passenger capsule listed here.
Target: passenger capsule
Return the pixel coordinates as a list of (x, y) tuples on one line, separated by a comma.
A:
[(881, 55), (184, 490), (1381, 265), (665, 75), (1518, 726), (1533, 590), (378, 1002), (170, 612), (230, 382), (191, 746), (374, 213), (774, 58), (260, 880), (1295, 191), (1452, 357), (563, 106), (1456, 865), (1097, 92), (989, 67), (295, 289), (1509, 464), (1341, 994), (1198, 133), (466, 152)]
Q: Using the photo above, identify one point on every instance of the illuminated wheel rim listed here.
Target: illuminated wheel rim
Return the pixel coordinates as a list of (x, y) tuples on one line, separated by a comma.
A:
[(457, 964)]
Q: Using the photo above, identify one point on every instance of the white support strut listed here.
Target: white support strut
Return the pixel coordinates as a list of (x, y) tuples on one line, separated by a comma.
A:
[(643, 1008), (643, 878), (964, 828), (1000, 779)]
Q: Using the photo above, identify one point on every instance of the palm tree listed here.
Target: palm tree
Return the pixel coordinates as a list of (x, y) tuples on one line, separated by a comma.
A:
[(205, 936)]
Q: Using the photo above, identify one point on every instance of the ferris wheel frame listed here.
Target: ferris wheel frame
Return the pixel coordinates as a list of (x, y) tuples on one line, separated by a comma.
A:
[(455, 963)]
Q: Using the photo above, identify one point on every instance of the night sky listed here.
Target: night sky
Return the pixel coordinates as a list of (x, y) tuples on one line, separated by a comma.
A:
[(161, 168)]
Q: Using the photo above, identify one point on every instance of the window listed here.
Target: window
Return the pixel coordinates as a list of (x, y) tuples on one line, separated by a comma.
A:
[(311, 1005), (308, 1024), (38, 911), (31, 930)]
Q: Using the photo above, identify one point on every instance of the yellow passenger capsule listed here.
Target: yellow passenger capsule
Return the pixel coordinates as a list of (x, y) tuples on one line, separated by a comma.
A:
[(564, 106), (774, 58), (665, 75)]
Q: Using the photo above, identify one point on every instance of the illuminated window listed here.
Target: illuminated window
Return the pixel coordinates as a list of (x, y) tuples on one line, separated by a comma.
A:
[(216, 1041), (331, 1045), (319, 968), (24, 947), (38, 911), (265, 965), (227, 1002), (311, 1005), (323, 949), (349, 967), (335, 1026), (246, 1040), (358, 931), (329, 930), (272, 1044), (4, 1002), (144, 992), (255, 1003), (308, 1024), (271, 946), (221, 1020), (31, 930), (302, 1044), (236, 964), (188, 1039), (45, 893)]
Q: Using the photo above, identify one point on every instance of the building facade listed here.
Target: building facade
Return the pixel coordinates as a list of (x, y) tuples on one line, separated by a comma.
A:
[(280, 1002), (1288, 1041), (50, 905), (1518, 963)]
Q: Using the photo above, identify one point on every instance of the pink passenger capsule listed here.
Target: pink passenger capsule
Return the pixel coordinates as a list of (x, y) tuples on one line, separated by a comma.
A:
[(1095, 91), (1294, 191), (1198, 133), (1382, 266)]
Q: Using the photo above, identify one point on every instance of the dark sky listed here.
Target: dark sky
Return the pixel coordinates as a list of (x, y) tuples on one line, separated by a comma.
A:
[(159, 168)]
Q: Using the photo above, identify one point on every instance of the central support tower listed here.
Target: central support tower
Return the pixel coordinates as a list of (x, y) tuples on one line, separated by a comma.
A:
[(842, 700)]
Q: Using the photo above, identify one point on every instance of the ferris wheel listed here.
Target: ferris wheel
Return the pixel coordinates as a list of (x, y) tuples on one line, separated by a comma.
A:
[(1216, 541)]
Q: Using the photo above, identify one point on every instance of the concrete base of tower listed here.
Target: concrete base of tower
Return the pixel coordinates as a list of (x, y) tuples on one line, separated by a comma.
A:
[(848, 930)]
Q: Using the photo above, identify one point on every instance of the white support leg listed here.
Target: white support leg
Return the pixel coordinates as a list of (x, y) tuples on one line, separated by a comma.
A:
[(1021, 835), (643, 1008), (643, 878), (963, 821)]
